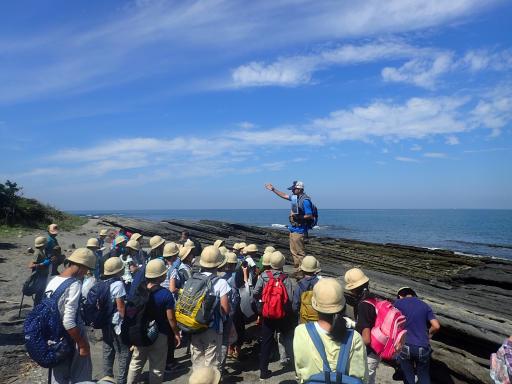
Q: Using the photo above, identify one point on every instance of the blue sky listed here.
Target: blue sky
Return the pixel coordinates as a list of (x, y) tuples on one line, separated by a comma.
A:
[(196, 104)]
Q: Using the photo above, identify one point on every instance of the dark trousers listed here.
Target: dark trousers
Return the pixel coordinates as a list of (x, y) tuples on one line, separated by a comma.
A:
[(170, 349), (413, 358), (112, 346), (239, 323), (268, 342)]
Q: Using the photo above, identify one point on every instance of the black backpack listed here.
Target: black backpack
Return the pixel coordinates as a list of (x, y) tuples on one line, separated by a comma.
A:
[(139, 327)]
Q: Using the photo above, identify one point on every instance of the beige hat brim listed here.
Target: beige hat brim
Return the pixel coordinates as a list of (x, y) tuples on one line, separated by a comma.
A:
[(159, 244), (312, 270), (171, 254), (210, 265), (328, 309), (154, 275), (114, 271), (356, 284), (185, 257)]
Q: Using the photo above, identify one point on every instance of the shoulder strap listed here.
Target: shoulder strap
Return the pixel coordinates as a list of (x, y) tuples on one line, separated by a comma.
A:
[(341, 366), (282, 277), (371, 301), (62, 287), (270, 275), (319, 345)]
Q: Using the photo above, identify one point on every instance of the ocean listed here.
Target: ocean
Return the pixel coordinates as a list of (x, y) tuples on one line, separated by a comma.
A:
[(476, 232)]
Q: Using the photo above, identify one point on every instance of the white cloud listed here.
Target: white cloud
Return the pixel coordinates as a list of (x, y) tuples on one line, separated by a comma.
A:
[(146, 34), (406, 159), (435, 155), (246, 125), (421, 72), (238, 149), (452, 140), (297, 70), (426, 71)]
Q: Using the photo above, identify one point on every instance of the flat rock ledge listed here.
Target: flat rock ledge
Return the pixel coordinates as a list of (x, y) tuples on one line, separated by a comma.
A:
[(471, 296)]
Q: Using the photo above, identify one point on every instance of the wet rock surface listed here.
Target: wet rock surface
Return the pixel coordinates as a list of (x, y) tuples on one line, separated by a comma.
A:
[(471, 296)]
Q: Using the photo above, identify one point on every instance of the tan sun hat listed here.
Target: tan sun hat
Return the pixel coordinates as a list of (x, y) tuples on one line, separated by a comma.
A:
[(218, 243), (310, 264), (185, 252), (53, 229), (265, 260), (242, 245), (328, 296), (211, 257), (270, 249), (277, 260), (112, 266), (235, 246), (155, 268), (355, 278), (205, 375), (156, 241), (171, 249), (103, 232), (136, 236), (231, 258), (189, 243), (133, 244), (93, 243), (251, 248), (223, 250), (120, 240), (40, 242), (83, 256)]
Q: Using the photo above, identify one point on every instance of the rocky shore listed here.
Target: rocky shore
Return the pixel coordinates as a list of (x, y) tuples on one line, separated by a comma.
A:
[(471, 296)]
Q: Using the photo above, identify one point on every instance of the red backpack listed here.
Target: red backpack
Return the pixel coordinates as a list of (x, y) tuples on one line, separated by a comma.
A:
[(274, 297)]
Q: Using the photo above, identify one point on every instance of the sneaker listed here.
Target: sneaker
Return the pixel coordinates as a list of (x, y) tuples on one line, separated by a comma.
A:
[(264, 375)]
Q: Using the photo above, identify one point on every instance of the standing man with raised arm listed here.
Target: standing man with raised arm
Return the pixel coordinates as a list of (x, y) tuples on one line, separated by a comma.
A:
[(301, 214)]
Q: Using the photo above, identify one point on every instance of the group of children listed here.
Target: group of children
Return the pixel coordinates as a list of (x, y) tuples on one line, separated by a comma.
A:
[(303, 321)]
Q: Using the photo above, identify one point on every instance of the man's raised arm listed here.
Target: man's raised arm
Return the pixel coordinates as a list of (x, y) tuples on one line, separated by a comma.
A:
[(282, 195)]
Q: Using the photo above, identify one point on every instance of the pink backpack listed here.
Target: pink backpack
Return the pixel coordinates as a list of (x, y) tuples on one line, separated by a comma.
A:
[(388, 333)]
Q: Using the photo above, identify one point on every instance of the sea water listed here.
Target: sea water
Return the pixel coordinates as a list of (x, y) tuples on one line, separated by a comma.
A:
[(478, 232)]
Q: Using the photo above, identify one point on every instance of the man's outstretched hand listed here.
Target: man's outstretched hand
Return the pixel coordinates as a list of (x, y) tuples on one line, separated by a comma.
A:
[(269, 186)]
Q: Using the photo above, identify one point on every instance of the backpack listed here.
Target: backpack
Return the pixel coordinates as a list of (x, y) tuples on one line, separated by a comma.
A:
[(138, 327), (307, 313), (388, 333), (98, 307), (274, 297), (46, 340), (184, 274), (328, 376), (310, 223), (196, 304), (33, 284)]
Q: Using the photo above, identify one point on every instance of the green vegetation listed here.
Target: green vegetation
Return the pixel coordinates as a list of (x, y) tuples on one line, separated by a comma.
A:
[(19, 214)]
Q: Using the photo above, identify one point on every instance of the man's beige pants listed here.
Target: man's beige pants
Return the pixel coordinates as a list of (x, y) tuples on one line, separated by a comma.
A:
[(297, 248), (157, 355), (205, 348)]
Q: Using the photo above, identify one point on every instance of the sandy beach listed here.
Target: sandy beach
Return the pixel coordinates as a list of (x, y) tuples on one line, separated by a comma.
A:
[(16, 366)]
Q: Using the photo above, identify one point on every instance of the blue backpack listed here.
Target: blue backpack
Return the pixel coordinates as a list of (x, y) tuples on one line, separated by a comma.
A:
[(46, 340), (98, 308), (328, 376)]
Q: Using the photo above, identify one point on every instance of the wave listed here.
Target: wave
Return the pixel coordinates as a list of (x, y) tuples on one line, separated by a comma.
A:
[(490, 245), (278, 225)]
